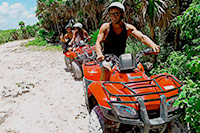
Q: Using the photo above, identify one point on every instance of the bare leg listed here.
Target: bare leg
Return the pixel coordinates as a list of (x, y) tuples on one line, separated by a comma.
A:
[(105, 74)]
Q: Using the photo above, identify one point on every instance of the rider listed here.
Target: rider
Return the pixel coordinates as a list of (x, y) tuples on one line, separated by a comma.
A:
[(67, 37), (79, 34), (113, 35)]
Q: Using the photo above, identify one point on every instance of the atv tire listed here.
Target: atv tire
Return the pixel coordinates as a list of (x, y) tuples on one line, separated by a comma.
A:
[(97, 121), (176, 127), (67, 63), (78, 74)]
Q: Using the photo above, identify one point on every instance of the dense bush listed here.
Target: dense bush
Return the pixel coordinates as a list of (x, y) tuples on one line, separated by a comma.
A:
[(185, 65), (38, 42), (16, 34), (32, 30), (190, 100), (189, 24), (47, 35), (9, 35)]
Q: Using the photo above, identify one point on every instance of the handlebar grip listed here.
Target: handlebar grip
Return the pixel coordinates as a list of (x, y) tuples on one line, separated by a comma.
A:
[(149, 51)]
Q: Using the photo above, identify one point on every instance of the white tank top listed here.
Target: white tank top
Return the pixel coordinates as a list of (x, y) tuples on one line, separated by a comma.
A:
[(78, 38)]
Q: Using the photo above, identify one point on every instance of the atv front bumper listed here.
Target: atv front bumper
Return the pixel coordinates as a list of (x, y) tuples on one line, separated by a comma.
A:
[(144, 120)]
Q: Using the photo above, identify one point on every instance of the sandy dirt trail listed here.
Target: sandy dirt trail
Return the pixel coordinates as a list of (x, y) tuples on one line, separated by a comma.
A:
[(37, 95)]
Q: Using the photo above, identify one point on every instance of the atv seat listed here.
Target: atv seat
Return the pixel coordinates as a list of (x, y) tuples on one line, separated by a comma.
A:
[(127, 63)]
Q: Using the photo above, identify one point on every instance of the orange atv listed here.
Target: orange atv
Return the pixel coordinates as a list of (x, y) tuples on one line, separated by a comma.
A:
[(72, 53), (76, 65), (130, 101)]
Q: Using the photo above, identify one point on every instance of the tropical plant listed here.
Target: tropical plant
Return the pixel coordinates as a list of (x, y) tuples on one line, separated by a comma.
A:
[(185, 65), (189, 100), (21, 24), (189, 24), (10, 35), (94, 37)]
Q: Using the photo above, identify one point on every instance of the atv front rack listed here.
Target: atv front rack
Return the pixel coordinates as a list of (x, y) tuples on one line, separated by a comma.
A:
[(148, 86), (143, 120)]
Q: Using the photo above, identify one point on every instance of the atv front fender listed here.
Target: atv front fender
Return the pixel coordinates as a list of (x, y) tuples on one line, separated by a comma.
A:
[(95, 89), (67, 54)]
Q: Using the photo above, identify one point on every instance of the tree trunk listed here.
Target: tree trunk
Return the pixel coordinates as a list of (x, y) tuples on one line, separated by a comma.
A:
[(152, 36), (177, 34), (176, 39), (55, 15)]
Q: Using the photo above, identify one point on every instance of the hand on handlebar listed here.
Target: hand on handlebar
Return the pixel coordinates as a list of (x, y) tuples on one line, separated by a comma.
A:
[(100, 57), (70, 44), (156, 49)]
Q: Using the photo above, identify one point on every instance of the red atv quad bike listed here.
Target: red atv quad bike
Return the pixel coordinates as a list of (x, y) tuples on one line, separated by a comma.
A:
[(72, 53), (89, 54), (130, 101)]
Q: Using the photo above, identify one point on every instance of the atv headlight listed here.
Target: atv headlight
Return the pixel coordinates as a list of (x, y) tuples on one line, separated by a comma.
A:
[(170, 104), (125, 111)]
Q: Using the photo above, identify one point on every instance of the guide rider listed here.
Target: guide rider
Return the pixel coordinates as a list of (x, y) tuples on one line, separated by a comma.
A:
[(113, 35)]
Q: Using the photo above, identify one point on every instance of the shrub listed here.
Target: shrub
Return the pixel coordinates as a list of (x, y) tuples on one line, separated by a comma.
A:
[(189, 99), (38, 42)]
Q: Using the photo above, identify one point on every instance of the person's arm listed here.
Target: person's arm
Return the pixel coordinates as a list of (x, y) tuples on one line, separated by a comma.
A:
[(144, 39), (66, 37), (61, 38), (73, 38), (99, 40), (87, 36)]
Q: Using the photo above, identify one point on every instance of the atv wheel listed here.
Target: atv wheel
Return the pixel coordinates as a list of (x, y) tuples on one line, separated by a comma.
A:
[(176, 127), (78, 74), (67, 62), (98, 122), (85, 95)]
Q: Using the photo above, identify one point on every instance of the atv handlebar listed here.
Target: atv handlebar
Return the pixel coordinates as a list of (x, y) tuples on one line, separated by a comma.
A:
[(145, 52), (115, 60), (149, 51)]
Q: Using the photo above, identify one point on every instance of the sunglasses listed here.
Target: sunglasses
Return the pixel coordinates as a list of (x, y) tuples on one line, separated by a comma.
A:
[(115, 14)]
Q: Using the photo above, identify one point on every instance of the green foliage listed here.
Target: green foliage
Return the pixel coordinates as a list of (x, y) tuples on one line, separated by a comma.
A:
[(21, 23), (194, 65), (32, 30), (94, 35), (42, 33), (38, 42), (151, 8), (49, 2), (185, 65), (9, 35), (189, 99), (50, 36), (16, 34), (41, 21), (133, 46), (46, 35), (189, 23)]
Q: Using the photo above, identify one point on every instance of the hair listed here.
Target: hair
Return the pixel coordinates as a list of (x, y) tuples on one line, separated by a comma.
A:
[(81, 32)]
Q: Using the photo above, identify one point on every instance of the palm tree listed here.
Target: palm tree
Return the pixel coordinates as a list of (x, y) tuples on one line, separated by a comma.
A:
[(155, 13), (21, 24)]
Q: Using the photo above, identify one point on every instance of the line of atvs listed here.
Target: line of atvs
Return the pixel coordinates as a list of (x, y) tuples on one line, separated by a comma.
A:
[(129, 101)]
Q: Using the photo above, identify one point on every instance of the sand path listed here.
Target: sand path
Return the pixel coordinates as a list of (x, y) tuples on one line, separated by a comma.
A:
[(54, 102)]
